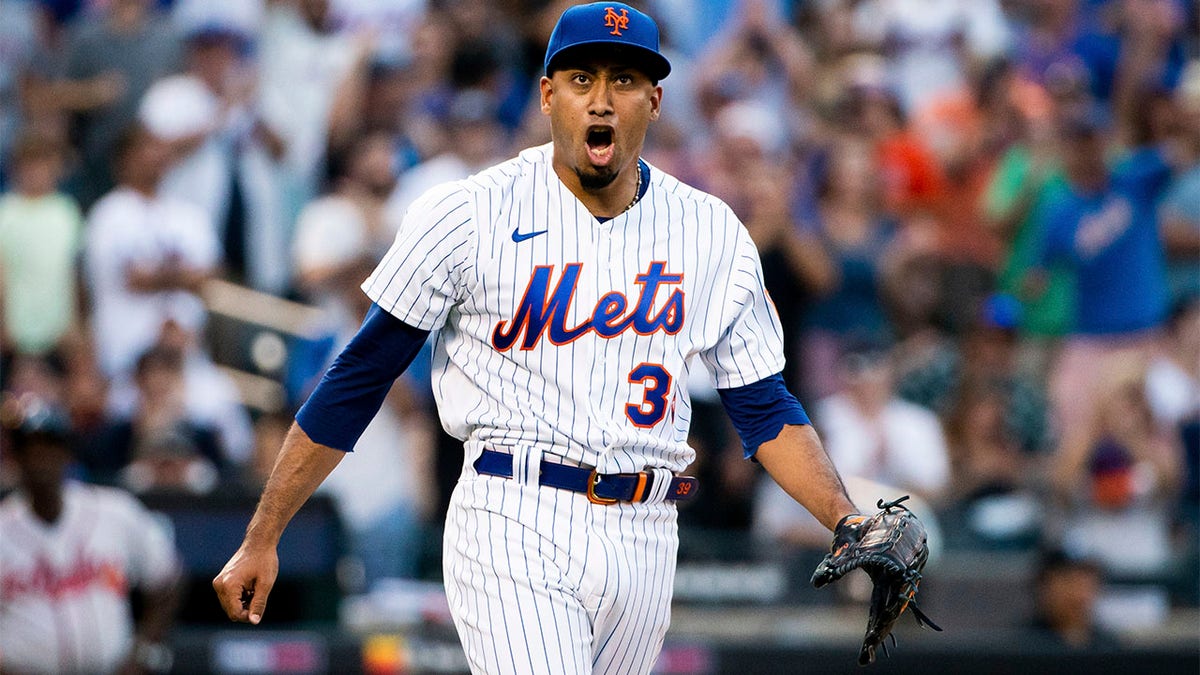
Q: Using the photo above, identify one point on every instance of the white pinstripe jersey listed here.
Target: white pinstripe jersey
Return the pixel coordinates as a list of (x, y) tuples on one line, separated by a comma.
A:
[(572, 336)]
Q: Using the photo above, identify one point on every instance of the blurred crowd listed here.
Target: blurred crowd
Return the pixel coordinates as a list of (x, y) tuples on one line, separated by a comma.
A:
[(979, 221)]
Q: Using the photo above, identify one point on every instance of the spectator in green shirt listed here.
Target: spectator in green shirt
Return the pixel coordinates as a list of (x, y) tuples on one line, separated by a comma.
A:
[(1023, 181), (40, 231)]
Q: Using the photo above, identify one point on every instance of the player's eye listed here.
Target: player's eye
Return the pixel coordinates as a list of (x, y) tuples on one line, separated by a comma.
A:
[(580, 78), (624, 79)]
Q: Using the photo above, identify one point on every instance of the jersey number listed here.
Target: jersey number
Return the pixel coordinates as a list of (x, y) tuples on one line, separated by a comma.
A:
[(654, 403)]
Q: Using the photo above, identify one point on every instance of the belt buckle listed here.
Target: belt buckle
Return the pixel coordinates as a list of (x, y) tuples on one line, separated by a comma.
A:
[(593, 479)]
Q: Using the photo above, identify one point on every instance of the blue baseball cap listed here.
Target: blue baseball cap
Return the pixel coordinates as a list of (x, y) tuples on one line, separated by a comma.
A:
[(608, 23)]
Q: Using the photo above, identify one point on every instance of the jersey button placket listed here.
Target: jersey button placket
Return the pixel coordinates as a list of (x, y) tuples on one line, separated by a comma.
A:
[(593, 280)]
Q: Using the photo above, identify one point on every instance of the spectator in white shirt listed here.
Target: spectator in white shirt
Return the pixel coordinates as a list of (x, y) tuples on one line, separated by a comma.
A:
[(310, 85), (931, 42), (146, 256), (225, 153), (342, 235), (871, 433)]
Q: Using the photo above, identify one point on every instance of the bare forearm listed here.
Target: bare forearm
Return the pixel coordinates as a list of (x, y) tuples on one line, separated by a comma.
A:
[(1179, 238), (66, 95), (246, 581), (168, 278), (799, 464), (1141, 56), (335, 277), (301, 466), (795, 58), (812, 264)]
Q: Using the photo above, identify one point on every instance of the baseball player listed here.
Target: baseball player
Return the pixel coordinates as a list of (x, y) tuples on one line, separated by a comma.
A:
[(570, 285), (69, 555)]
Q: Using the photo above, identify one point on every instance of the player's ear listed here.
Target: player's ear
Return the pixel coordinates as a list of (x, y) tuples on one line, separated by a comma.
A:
[(656, 102), (547, 91)]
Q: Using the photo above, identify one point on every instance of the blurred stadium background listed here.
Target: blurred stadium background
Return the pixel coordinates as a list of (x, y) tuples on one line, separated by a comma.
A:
[(979, 220)]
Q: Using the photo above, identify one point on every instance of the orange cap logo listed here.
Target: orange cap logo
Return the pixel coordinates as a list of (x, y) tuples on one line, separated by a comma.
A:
[(617, 22)]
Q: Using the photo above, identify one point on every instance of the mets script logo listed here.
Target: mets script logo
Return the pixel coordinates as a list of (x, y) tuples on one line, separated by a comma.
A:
[(542, 309), (617, 22)]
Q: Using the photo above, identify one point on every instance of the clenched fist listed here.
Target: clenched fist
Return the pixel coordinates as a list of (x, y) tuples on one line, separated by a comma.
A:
[(244, 583)]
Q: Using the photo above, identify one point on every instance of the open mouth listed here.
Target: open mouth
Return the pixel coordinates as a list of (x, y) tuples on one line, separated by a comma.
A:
[(600, 145)]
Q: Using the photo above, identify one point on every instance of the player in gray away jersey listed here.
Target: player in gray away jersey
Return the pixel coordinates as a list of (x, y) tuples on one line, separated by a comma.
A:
[(571, 285)]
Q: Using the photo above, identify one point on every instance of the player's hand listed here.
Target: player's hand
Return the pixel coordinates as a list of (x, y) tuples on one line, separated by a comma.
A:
[(244, 584)]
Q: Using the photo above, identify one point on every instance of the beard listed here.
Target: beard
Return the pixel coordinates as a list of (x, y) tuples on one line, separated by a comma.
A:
[(598, 179)]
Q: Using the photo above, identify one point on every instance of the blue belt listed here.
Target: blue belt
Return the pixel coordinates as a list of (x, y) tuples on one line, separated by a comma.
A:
[(606, 488)]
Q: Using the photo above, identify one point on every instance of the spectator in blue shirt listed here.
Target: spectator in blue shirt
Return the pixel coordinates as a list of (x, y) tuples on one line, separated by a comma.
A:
[(1103, 225)]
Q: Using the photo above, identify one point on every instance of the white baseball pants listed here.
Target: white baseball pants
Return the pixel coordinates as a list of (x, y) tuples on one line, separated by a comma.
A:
[(540, 580)]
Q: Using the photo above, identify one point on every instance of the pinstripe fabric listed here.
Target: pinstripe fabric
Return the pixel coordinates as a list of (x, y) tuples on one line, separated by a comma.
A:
[(454, 265), (568, 338), (586, 588)]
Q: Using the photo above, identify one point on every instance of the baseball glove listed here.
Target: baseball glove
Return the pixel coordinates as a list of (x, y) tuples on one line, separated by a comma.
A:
[(891, 547)]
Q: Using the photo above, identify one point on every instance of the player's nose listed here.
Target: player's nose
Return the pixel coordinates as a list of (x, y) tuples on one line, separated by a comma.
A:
[(600, 101)]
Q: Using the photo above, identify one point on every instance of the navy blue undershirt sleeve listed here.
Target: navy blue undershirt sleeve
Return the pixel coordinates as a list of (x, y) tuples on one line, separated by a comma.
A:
[(760, 410), (355, 386)]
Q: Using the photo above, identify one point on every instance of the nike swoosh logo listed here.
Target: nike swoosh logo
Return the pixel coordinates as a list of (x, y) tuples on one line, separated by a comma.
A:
[(517, 237)]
